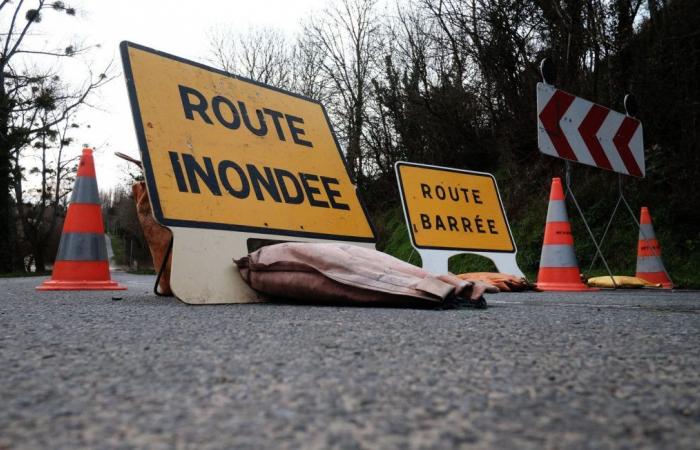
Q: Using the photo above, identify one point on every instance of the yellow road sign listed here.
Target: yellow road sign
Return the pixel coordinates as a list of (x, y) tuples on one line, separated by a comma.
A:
[(224, 152), (451, 209)]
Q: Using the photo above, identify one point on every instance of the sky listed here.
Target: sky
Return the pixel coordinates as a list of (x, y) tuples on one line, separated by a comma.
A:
[(178, 27)]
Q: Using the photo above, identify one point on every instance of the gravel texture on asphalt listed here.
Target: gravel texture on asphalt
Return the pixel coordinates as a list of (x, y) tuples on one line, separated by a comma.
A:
[(534, 371)]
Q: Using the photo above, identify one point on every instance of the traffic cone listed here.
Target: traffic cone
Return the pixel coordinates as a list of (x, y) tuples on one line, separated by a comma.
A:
[(649, 264), (81, 262), (558, 264)]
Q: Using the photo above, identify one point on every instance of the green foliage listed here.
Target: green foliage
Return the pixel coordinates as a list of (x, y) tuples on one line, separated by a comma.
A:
[(394, 239), (120, 255)]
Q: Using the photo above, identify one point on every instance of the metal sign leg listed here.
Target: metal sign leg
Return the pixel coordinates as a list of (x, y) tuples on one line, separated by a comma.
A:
[(620, 198), (570, 192)]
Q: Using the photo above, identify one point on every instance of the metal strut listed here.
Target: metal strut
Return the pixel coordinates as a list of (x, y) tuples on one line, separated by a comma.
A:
[(570, 192), (621, 199)]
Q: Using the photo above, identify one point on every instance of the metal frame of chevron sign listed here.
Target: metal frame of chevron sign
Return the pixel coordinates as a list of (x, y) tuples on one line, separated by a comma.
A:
[(578, 130)]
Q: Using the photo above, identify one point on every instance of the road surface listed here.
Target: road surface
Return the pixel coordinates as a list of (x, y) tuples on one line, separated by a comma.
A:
[(534, 371)]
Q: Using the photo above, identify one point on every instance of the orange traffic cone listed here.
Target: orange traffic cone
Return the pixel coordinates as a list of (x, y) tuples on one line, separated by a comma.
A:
[(81, 263), (558, 264), (649, 264)]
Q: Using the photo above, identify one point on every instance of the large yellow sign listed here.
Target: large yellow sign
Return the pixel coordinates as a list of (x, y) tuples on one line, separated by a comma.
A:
[(450, 209), (223, 152)]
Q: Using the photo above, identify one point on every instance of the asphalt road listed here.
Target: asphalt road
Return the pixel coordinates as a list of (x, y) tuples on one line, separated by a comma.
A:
[(534, 371)]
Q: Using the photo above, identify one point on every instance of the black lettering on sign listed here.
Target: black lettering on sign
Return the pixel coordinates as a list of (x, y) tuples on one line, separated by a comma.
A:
[(439, 224), (186, 93), (440, 192), (479, 222), (268, 183), (296, 131), (177, 171), (459, 224), (261, 130), (235, 120), (206, 174), (456, 194), (452, 222), (466, 224), (195, 107), (276, 115), (298, 196), (312, 191), (476, 196), (492, 226), (333, 194), (425, 189), (226, 182)]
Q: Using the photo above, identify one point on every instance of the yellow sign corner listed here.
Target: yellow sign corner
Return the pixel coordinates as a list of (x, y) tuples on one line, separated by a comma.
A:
[(223, 152), (451, 209)]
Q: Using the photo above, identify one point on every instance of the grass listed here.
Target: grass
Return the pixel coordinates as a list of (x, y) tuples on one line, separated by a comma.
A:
[(119, 250)]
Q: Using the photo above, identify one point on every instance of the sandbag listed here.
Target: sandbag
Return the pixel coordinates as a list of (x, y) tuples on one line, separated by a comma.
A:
[(344, 273), (621, 281), (503, 281), (157, 236)]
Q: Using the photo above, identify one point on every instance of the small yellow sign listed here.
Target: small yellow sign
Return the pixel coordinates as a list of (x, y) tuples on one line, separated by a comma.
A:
[(224, 152), (451, 209)]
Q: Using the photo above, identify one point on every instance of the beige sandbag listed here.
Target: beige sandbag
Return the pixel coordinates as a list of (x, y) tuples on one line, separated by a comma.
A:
[(621, 281), (330, 272), (503, 281)]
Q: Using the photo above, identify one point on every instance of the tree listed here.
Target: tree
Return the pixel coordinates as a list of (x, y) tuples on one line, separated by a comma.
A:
[(33, 101), (39, 215), (261, 54), (348, 36)]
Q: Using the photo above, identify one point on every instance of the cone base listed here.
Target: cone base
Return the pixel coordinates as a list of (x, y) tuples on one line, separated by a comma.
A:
[(567, 279), (59, 285), (656, 278), (565, 287)]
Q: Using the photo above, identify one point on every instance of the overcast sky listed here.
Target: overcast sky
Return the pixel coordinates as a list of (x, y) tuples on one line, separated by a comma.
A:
[(179, 27)]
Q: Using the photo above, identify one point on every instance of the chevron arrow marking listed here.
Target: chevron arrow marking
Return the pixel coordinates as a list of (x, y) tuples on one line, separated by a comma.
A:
[(576, 129), (588, 129), (622, 143)]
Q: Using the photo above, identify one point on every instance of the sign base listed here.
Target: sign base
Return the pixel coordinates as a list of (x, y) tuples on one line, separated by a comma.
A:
[(203, 271), (436, 260)]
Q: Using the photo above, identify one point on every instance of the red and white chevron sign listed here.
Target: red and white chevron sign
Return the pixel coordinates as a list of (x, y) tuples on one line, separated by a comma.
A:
[(572, 128)]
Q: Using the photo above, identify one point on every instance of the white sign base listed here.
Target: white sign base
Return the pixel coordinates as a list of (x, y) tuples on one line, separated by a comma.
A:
[(435, 261), (203, 271)]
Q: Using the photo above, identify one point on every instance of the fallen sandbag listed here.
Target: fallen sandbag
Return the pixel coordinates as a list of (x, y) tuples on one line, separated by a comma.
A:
[(503, 281), (333, 273), (621, 281)]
